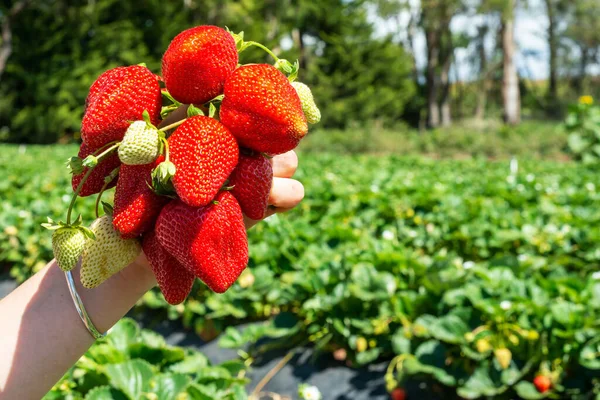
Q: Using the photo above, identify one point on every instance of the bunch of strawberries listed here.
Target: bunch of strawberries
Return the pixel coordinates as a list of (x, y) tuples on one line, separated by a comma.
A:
[(182, 190)]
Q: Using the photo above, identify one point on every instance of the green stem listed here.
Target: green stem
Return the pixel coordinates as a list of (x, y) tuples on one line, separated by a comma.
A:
[(85, 177), (264, 48), (173, 125), (108, 151), (113, 175), (166, 149), (109, 144), (79, 187)]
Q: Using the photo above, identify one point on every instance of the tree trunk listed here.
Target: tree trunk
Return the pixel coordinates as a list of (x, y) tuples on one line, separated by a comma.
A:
[(433, 111), (583, 63), (446, 62), (510, 80), (298, 38), (6, 45), (553, 45), (482, 92)]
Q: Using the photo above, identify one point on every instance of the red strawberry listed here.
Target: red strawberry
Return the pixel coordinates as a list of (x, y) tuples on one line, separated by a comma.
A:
[(262, 109), (95, 181), (251, 180), (204, 153), (542, 383), (118, 97), (136, 205), (209, 241), (197, 63), (398, 394), (175, 282)]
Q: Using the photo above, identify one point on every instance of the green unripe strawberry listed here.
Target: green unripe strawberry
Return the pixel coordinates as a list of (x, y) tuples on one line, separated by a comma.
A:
[(310, 109), (107, 254), (67, 244), (140, 145)]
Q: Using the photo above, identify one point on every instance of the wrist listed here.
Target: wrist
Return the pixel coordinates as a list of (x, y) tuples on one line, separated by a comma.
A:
[(139, 274)]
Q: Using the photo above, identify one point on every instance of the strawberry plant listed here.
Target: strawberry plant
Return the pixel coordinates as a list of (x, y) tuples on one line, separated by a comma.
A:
[(133, 363), (448, 272), (583, 124)]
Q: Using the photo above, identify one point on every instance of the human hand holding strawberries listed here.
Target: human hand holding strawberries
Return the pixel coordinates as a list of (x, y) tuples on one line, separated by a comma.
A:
[(189, 179)]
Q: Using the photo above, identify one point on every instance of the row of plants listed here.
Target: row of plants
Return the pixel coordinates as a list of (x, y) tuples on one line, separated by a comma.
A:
[(132, 363), (478, 276)]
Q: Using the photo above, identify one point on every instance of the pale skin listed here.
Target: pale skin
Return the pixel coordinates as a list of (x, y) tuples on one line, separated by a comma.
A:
[(41, 335)]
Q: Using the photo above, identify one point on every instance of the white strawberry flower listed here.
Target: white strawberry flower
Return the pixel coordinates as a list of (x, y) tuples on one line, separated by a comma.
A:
[(388, 235), (309, 392)]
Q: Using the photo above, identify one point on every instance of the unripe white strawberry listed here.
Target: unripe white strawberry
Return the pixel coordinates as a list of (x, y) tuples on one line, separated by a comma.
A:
[(503, 356), (107, 254), (140, 145), (67, 244), (311, 111)]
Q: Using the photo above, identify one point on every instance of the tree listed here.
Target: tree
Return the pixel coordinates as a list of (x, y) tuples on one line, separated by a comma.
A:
[(436, 16), (583, 31), (7, 16), (511, 97)]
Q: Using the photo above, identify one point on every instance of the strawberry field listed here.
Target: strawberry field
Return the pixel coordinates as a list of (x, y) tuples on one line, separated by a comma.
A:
[(472, 276)]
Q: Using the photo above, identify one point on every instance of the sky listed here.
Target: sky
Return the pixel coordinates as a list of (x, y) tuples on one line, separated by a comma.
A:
[(531, 24)]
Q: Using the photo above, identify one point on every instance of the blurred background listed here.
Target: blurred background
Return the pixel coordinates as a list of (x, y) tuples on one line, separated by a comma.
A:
[(379, 68), (449, 243)]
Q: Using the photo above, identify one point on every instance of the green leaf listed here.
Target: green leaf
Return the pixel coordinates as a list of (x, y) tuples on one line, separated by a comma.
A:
[(232, 338), (105, 393), (132, 377), (192, 111), (400, 343), (104, 353), (212, 111), (368, 356), (190, 364), (577, 144), (200, 392), (526, 390), (123, 334), (479, 384), (169, 386)]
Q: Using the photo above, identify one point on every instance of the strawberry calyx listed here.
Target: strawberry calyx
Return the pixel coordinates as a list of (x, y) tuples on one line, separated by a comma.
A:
[(60, 225), (168, 109), (283, 65)]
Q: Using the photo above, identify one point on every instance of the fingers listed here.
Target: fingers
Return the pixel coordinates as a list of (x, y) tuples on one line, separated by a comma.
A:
[(286, 193), (285, 165)]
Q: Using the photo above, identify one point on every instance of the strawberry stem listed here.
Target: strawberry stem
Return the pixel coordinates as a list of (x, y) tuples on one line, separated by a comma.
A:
[(86, 176), (107, 182), (259, 45), (166, 143), (173, 125), (95, 153)]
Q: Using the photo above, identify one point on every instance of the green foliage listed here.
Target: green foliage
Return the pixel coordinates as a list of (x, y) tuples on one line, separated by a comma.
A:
[(531, 139), (409, 258), (43, 89), (133, 363), (583, 123)]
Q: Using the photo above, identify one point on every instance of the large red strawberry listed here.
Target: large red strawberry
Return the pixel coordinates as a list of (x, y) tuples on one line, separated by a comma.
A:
[(251, 180), (175, 282), (136, 205), (95, 181), (197, 62), (204, 153), (209, 241), (262, 109), (118, 97)]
